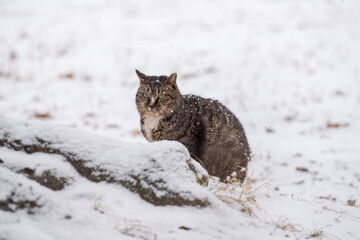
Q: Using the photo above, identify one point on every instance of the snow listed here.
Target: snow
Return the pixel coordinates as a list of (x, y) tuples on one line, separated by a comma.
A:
[(166, 161), (289, 70)]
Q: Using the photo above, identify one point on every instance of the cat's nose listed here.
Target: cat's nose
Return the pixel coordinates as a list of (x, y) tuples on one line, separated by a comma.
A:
[(152, 102)]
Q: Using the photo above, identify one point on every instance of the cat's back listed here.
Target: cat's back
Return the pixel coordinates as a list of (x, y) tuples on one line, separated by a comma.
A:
[(215, 121), (199, 104), (212, 112)]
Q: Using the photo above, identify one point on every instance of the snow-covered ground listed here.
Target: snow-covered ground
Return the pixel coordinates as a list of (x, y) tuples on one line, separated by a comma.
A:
[(290, 71)]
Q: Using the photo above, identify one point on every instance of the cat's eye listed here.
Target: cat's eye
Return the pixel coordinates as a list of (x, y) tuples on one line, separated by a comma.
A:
[(161, 96), (146, 95)]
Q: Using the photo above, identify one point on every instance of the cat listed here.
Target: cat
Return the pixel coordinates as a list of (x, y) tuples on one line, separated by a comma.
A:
[(210, 131)]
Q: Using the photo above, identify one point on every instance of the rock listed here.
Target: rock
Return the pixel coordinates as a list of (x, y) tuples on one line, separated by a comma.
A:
[(161, 173)]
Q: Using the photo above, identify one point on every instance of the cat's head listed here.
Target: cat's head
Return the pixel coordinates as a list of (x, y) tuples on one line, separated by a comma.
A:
[(157, 95)]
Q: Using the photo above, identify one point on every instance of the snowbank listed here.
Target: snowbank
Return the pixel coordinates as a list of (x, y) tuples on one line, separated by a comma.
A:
[(161, 173)]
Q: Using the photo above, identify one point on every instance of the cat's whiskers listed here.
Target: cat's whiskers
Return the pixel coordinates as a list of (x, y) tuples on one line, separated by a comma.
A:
[(164, 117)]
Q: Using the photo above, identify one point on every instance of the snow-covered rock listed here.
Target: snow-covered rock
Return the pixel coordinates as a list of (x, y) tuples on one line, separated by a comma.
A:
[(161, 173)]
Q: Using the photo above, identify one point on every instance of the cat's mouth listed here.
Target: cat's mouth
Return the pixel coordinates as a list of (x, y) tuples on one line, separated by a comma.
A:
[(152, 111)]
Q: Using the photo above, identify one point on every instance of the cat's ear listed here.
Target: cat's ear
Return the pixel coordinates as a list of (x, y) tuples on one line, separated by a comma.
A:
[(171, 80), (140, 75)]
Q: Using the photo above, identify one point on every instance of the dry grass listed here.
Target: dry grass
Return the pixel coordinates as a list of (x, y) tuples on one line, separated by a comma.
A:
[(239, 195), (242, 196), (135, 228), (318, 233), (299, 197), (284, 224), (249, 188), (234, 186), (301, 233)]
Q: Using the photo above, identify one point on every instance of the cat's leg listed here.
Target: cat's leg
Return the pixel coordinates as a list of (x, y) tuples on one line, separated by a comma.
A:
[(222, 160)]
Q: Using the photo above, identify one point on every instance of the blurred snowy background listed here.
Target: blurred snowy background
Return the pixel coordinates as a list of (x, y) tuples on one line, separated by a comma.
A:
[(290, 71)]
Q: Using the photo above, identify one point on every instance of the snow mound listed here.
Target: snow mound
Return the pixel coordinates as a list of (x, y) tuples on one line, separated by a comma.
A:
[(161, 173)]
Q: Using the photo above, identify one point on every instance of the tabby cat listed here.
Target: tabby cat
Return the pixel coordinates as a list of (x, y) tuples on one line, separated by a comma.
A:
[(210, 131)]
